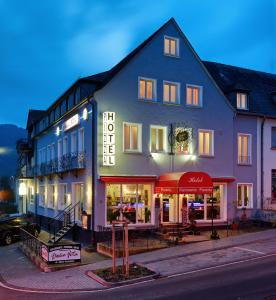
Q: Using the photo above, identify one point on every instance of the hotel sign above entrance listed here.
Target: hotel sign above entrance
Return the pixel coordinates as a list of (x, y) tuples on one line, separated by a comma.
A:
[(109, 138)]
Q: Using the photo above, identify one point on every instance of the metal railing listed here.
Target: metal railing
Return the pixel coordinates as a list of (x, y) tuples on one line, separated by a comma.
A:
[(67, 162), (63, 219), (31, 242)]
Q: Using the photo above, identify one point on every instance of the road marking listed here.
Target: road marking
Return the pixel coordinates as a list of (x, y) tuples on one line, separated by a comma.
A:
[(132, 284), (249, 250)]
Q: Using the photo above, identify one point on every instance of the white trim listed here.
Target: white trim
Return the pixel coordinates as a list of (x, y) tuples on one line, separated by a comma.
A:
[(176, 46), (165, 128), (212, 154), (139, 138), (251, 196), (200, 100), (178, 88), (154, 89)]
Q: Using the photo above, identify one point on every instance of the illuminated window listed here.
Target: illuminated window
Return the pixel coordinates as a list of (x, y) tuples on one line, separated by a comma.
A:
[(171, 92), (171, 46), (158, 138), (42, 195), (244, 195), (147, 89), (244, 148), (242, 101), (205, 142), (132, 137), (62, 196), (194, 95), (52, 201)]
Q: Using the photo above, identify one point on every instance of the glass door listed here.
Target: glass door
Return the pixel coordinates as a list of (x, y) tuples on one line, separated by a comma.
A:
[(79, 198)]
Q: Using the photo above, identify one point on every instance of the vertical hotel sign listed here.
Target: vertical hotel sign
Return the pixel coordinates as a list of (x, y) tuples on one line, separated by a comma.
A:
[(109, 138)]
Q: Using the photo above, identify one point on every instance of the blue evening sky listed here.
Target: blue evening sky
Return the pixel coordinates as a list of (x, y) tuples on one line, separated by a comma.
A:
[(46, 45)]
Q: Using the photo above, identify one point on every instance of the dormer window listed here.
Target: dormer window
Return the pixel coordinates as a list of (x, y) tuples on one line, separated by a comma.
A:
[(242, 101), (171, 46)]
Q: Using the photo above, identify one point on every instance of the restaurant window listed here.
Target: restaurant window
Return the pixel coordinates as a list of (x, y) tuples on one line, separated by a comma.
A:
[(171, 46), (147, 89), (205, 142), (132, 137), (171, 92), (130, 201), (193, 95), (273, 138), (244, 148), (242, 101), (183, 140), (201, 205), (244, 195), (158, 138)]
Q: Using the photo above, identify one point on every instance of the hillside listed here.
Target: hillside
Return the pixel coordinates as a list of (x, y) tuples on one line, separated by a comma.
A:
[(9, 134)]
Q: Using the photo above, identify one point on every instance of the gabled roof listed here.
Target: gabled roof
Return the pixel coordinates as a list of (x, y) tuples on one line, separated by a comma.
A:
[(34, 115), (260, 86), (104, 77)]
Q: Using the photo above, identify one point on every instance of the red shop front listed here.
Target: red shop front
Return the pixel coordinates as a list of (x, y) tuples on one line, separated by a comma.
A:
[(178, 192)]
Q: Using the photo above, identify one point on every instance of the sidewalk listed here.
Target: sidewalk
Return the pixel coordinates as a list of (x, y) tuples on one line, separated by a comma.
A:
[(17, 270)]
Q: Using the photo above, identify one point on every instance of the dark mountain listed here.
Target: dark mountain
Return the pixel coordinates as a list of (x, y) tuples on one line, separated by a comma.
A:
[(9, 134)]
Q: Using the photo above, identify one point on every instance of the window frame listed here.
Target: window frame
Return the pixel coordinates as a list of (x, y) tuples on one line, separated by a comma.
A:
[(212, 152), (178, 86), (250, 201), (170, 38), (154, 89), (246, 100), (165, 145), (139, 138), (249, 147), (200, 100)]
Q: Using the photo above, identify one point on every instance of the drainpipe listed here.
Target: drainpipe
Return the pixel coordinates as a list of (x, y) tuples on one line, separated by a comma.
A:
[(262, 163), (94, 161)]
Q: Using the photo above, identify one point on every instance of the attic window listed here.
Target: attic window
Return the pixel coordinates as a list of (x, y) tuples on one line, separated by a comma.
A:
[(242, 101), (171, 46)]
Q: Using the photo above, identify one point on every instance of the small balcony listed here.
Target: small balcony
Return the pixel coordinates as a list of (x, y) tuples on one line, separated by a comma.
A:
[(67, 163)]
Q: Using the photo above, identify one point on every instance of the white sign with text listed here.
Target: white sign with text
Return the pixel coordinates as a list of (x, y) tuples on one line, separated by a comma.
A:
[(109, 138)]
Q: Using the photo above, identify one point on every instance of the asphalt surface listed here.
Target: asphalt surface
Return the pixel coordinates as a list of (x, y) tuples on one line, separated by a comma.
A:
[(254, 279)]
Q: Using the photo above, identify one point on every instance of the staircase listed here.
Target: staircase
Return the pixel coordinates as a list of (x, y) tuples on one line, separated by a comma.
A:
[(62, 223)]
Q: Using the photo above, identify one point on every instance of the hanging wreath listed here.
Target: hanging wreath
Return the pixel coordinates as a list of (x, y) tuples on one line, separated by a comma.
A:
[(182, 136)]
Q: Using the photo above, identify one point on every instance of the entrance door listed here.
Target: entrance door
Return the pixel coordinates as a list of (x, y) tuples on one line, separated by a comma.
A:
[(78, 198), (166, 210)]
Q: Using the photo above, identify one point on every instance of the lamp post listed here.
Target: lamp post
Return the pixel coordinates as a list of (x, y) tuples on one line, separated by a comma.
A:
[(214, 234)]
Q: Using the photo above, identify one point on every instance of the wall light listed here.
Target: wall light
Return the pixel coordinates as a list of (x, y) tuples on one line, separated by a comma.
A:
[(85, 114), (58, 131)]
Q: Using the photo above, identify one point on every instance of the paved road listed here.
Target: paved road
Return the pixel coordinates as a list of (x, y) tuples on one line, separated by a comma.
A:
[(249, 280)]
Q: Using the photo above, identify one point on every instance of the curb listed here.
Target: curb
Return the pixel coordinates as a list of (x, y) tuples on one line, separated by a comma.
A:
[(115, 284)]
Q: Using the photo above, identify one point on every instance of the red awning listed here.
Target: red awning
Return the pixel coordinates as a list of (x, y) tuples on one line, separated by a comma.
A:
[(184, 183), (128, 179)]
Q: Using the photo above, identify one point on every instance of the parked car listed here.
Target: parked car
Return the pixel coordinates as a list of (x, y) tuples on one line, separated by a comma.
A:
[(10, 227)]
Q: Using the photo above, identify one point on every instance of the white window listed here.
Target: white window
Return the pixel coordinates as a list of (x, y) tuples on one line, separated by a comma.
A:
[(244, 195), (147, 89), (158, 138), (63, 196), (242, 101), (244, 148), (42, 195), (52, 196), (171, 92), (205, 142), (132, 137), (48, 153), (59, 148), (53, 155), (171, 46), (81, 140), (65, 146), (74, 145), (194, 95)]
